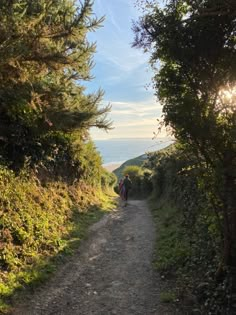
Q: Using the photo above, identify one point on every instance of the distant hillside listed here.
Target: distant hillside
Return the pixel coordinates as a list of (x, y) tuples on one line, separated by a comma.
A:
[(136, 161), (139, 160)]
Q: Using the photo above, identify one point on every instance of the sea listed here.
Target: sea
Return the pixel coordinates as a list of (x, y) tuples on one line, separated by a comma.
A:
[(117, 151)]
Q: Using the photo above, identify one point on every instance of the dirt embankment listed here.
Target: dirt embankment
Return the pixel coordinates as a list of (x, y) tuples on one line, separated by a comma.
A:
[(110, 274)]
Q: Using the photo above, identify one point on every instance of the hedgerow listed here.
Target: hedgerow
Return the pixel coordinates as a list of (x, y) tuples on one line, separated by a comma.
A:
[(36, 221), (189, 233)]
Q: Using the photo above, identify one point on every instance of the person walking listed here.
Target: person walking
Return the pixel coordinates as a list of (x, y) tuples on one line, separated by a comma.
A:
[(122, 189), (127, 184)]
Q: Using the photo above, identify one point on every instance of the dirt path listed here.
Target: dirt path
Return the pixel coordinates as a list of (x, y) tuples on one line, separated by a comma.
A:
[(110, 274)]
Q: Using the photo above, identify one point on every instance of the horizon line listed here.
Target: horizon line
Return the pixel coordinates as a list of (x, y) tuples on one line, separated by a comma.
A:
[(130, 138)]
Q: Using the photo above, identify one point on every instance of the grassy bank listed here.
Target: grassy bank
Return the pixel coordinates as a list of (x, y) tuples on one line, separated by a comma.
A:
[(187, 263), (172, 248), (172, 253), (40, 225)]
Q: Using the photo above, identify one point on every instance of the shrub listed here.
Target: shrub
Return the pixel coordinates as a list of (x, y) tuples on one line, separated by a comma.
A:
[(141, 180)]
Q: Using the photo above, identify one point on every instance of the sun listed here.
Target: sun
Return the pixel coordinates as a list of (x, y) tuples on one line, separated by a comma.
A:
[(229, 94), (227, 98)]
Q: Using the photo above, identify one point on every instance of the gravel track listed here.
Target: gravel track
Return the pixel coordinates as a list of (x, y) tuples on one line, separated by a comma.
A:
[(111, 273)]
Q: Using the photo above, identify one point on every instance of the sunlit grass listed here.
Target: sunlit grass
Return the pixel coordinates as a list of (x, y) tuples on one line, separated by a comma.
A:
[(60, 215)]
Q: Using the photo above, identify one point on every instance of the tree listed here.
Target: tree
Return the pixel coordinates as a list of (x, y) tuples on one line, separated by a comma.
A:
[(192, 46), (45, 56)]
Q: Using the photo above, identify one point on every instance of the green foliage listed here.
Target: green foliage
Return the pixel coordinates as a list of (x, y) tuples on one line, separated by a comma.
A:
[(133, 171), (90, 163), (135, 174), (138, 161), (40, 222), (45, 55), (167, 297), (108, 180), (196, 85), (28, 222), (173, 248), (56, 187), (189, 232), (140, 176), (54, 158), (193, 54)]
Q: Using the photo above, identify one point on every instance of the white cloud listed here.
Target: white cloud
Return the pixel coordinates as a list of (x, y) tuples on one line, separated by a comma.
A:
[(132, 119), (142, 107), (123, 72), (137, 123), (121, 55)]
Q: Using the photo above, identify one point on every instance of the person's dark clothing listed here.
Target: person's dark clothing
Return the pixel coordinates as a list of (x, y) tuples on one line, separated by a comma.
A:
[(127, 184)]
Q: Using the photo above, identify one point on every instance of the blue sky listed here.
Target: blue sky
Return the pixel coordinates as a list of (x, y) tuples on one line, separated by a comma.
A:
[(123, 73)]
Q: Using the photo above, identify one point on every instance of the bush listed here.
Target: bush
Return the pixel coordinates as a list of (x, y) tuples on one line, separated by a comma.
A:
[(108, 180), (189, 235), (141, 180)]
